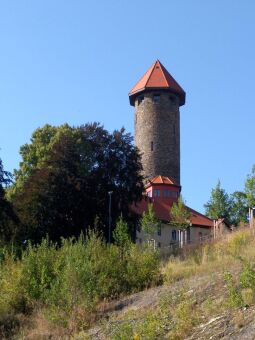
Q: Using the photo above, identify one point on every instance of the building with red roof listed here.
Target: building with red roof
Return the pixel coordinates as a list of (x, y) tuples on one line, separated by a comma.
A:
[(157, 98)]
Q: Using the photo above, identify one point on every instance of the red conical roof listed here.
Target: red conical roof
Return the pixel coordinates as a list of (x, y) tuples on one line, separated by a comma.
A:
[(157, 77)]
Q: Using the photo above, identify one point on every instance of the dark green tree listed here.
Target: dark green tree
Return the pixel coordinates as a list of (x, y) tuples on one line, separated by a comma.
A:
[(7, 216), (239, 207), (64, 195)]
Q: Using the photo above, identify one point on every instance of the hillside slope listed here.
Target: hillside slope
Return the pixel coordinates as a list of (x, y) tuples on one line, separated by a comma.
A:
[(210, 299)]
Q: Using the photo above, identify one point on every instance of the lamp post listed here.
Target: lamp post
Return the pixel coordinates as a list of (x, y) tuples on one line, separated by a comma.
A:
[(110, 217)]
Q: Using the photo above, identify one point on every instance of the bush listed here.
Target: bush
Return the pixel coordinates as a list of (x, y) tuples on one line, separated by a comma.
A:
[(69, 280)]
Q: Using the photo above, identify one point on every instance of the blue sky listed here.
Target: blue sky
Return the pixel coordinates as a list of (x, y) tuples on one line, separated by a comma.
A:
[(75, 61)]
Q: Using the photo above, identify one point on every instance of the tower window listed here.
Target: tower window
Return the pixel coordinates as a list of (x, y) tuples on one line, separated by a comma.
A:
[(174, 194), (156, 193), (166, 193), (156, 98), (140, 100), (172, 99), (151, 146)]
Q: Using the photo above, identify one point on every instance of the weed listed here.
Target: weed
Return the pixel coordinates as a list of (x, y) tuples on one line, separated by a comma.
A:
[(234, 295)]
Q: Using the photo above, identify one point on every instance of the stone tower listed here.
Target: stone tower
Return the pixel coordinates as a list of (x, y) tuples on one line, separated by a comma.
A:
[(157, 98)]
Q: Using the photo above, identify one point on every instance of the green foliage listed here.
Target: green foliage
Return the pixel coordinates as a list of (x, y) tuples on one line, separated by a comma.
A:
[(247, 276), (7, 215), (239, 207), (149, 222), (121, 234), (64, 179), (40, 268), (179, 215), (74, 277), (234, 294), (241, 292), (219, 204), (238, 242), (174, 318), (34, 154), (250, 188)]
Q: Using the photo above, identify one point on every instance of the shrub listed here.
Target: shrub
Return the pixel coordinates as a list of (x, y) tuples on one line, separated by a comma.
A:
[(69, 280), (234, 295)]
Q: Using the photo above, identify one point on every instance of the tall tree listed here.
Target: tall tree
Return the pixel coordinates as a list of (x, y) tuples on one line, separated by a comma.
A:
[(149, 223), (250, 192), (219, 204), (70, 188), (239, 207), (35, 153), (7, 215), (179, 214), (250, 188)]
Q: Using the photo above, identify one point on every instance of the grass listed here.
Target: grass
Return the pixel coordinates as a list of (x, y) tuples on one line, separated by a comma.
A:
[(58, 291), (66, 284), (181, 309)]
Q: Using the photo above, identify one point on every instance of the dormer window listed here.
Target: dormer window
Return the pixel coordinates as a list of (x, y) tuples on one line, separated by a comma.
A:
[(156, 98)]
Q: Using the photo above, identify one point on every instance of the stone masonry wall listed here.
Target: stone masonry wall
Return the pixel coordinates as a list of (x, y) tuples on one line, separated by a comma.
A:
[(158, 123)]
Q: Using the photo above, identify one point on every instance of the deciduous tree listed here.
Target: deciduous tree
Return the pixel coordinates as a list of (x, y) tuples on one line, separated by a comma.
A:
[(149, 222), (64, 193), (219, 204), (179, 215)]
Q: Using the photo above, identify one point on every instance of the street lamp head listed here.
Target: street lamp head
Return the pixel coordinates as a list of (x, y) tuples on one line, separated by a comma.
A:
[(110, 192)]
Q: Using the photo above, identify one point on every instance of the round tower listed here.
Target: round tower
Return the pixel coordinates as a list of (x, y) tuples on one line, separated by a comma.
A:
[(157, 98)]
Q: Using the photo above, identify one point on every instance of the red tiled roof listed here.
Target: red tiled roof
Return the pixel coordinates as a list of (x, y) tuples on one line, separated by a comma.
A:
[(161, 180), (162, 209), (157, 77)]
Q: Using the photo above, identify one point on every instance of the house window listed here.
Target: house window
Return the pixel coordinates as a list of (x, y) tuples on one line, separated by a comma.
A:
[(156, 98), (151, 146), (159, 231), (140, 100), (174, 235), (159, 245), (200, 236), (166, 193), (156, 193)]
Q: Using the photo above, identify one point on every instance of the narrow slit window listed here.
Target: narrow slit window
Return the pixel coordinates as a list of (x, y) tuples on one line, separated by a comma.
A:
[(152, 146)]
